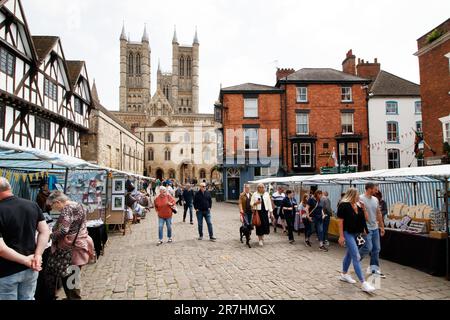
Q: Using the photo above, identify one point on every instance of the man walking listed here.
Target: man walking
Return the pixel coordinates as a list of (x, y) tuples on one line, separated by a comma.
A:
[(277, 198), (202, 206), (188, 197), (19, 219), (289, 208), (375, 225), (326, 205)]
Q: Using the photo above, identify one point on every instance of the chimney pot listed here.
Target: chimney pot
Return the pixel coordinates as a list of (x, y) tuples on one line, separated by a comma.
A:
[(376, 60)]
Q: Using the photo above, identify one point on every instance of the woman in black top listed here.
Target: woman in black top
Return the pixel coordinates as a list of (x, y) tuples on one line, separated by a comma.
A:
[(352, 225)]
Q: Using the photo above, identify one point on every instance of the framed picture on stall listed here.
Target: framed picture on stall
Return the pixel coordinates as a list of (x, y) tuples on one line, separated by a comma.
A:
[(117, 203), (118, 186)]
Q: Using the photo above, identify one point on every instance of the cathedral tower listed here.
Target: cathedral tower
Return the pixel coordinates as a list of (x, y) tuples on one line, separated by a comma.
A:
[(135, 73), (184, 95)]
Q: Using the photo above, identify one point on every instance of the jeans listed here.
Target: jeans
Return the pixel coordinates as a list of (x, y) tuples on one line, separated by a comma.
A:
[(372, 246), (308, 228), (290, 218), (248, 219), (19, 286), (168, 223), (207, 216), (186, 207), (326, 224), (318, 222), (352, 255)]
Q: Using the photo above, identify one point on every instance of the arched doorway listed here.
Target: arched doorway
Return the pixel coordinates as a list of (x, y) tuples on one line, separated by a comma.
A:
[(160, 174)]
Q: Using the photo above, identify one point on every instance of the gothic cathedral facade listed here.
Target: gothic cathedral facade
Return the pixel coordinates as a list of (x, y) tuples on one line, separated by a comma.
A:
[(180, 142)]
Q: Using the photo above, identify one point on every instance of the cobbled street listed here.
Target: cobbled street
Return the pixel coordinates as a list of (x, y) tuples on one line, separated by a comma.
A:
[(133, 267)]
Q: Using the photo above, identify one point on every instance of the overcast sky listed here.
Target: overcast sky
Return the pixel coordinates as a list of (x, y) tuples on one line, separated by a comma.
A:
[(240, 40)]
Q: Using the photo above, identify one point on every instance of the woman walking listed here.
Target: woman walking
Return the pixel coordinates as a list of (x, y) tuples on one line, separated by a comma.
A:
[(69, 235), (315, 212), (305, 220), (352, 225), (164, 204), (262, 203)]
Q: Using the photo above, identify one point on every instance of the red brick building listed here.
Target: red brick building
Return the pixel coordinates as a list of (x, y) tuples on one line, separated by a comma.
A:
[(250, 117), (434, 62), (324, 110)]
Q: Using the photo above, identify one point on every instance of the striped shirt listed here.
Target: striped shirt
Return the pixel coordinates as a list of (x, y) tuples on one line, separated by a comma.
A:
[(278, 198)]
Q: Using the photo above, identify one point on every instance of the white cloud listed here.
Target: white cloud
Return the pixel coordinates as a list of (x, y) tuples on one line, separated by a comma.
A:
[(239, 39)]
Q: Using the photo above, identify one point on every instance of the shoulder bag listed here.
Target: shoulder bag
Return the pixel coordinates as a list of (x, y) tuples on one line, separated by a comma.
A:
[(60, 260)]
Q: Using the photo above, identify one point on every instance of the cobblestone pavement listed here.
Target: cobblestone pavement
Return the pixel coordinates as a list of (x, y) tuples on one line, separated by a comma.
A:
[(133, 267)]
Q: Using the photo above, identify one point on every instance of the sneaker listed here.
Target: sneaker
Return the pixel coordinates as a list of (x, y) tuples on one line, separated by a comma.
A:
[(379, 274), (200, 238), (212, 239), (170, 241), (347, 278), (291, 241), (323, 248), (261, 243), (307, 243), (159, 243), (367, 287), (326, 243)]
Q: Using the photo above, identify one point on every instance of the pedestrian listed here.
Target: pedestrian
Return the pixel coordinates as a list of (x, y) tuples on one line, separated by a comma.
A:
[(315, 211), (289, 208), (170, 189), (245, 208), (278, 198), (69, 234), (262, 204), (352, 224), (325, 202), (20, 249), (375, 225), (179, 195), (188, 199), (41, 198), (164, 204), (382, 204), (202, 206)]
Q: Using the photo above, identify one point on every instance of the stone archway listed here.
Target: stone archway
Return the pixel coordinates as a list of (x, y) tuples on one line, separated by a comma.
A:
[(160, 174)]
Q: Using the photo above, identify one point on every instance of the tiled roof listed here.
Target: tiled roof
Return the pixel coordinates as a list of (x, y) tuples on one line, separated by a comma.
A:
[(74, 68), (387, 84), (322, 75), (43, 45), (250, 87)]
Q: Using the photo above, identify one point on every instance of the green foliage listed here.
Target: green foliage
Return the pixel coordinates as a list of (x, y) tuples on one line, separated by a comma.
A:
[(434, 35)]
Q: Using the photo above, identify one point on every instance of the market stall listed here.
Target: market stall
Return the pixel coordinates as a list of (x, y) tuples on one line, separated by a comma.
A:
[(95, 187), (417, 226)]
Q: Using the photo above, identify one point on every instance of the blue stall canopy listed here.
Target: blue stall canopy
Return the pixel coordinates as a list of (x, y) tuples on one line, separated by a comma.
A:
[(405, 175), (29, 159)]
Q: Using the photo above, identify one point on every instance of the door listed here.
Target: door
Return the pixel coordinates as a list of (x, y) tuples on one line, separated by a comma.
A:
[(233, 188)]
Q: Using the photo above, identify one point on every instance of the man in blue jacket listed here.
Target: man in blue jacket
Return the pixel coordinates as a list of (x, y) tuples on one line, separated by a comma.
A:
[(202, 206)]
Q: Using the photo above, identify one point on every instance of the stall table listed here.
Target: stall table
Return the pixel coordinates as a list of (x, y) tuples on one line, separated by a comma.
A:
[(417, 251)]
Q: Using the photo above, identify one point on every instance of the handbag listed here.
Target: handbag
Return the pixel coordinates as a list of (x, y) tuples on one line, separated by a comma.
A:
[(256, 220), (60, 260)]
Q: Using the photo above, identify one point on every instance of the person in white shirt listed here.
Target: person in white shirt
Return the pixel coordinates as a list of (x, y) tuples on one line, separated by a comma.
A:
[(262, 204)]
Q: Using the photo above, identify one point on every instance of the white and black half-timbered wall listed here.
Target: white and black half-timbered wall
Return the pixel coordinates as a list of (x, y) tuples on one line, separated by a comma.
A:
[(45, 101)]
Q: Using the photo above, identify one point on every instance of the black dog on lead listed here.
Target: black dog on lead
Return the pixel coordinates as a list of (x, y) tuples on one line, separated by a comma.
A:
[(246, 230)]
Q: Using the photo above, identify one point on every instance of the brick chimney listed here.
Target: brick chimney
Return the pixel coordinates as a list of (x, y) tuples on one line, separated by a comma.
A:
[(284, 72), (368, 70), (349, 64)]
